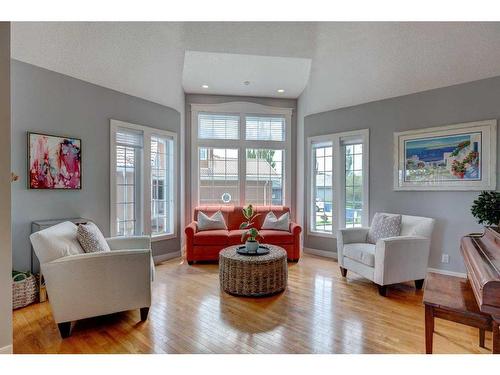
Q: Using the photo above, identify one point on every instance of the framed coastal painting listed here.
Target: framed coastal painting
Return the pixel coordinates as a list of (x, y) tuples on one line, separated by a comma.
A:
[(453, 157), (54, 162)]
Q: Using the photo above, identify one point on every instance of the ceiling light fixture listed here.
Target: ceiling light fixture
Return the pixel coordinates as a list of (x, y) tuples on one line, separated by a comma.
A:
[(281, 91), (246, 83), (204, 86)]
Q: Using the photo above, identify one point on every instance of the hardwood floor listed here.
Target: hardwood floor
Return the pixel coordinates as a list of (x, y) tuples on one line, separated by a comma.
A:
[(320, 312)]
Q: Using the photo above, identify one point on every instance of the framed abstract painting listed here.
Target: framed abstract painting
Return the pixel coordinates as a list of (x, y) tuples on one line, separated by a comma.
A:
[(54, 162), (453, 157)]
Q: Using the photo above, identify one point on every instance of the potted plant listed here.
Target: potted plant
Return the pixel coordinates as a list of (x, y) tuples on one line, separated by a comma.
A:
[(486, 208), (251, 234)]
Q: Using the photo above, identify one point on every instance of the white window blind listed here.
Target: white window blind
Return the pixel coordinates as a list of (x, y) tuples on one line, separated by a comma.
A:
[(129, 137), (264, 128), (217, 126)]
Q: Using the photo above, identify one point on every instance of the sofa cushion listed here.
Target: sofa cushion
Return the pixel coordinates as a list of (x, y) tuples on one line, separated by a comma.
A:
[(271, 221), (216, 221), (235, 237), (360, 252), (383, 226), (56, 242), (211, 237), (276, 237)]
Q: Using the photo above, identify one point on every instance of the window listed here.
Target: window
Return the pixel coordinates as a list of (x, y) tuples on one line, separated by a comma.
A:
[(353, 154), (161, 185), (241, 154), (142, 192), (339, 182), (322, 218), (264, 177), (219, 182), (127, 173)]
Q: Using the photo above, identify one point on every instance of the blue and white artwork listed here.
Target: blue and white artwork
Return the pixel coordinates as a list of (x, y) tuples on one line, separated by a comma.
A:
[(443, 158)]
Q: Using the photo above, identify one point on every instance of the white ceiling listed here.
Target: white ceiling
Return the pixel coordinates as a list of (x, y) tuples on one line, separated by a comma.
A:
[(352, 62), (246, 75)]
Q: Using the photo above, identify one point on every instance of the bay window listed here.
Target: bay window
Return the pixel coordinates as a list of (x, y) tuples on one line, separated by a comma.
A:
[(338, 191), (142, 181), (240, 154)]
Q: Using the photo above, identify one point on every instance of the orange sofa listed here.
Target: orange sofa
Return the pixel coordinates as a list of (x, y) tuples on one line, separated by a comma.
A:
[(206, 245)]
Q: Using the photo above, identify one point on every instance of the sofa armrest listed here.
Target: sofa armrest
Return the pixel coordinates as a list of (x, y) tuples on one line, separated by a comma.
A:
[(191, 229), (400, 259), (92, 284), (349, 235), (125, 243), (295, 228)]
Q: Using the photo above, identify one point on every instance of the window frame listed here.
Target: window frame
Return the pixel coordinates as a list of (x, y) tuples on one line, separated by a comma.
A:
[(338, 179), (145, 183), (241, 109)]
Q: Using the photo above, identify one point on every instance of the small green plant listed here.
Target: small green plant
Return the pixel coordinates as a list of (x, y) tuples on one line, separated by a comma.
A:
[(250, 234), (486, 208)]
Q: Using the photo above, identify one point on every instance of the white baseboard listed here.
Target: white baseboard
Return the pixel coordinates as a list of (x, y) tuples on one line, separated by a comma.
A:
[(164, 257), (333, 255), (6, 349), (446, 272), (321, 253)]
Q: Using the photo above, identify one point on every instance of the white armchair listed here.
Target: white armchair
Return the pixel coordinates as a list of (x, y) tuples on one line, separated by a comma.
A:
[(82, 285), (391, 260)]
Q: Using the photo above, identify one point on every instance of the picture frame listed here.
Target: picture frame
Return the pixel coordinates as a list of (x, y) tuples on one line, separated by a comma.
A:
[(452, 157), (54, 162)]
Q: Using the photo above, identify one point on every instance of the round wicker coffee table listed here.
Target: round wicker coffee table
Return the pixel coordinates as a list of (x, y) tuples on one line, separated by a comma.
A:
[(253, 276)]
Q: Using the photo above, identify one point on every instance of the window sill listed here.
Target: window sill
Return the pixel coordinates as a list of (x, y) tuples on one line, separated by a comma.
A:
[(163, 237)]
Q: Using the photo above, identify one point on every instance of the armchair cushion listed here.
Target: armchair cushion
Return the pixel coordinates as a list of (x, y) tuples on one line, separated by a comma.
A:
[(56, 242), (91, 238), (360, 252), (383, 226)]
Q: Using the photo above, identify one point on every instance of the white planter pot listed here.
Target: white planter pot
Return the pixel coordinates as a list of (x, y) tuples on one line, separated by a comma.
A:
[(252, 246)]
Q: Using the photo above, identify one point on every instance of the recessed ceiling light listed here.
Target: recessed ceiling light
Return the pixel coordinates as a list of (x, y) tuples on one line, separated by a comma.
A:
[(281, 91), (204, 86), (246, 83)]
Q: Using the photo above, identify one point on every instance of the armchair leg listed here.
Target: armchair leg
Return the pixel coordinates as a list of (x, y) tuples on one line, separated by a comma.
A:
[(144, 313), (64, 329), (343, 271), (419, 284), (382, 290)]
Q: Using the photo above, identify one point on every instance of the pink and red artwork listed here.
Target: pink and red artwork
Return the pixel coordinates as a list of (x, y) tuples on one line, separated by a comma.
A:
[(54, 162)]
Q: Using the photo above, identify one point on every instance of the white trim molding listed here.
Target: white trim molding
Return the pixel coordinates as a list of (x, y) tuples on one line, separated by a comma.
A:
[(6, 349), (446, 272), (241, 109), (164, 257), (320, 253)]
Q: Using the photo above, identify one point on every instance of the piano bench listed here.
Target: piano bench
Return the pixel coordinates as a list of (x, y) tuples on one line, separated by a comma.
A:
[(451, 298)]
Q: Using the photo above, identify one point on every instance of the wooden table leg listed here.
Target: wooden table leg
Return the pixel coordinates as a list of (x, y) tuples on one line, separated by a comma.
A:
[(495, 325), (429, 328), (481, 337)]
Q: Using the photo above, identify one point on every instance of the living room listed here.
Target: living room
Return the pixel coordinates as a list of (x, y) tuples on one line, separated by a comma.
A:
[(172, 190)]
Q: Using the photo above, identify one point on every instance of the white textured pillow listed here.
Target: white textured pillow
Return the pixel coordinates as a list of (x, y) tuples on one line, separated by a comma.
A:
[(272, 222), (56, 242), (91, 238), (216, 221)]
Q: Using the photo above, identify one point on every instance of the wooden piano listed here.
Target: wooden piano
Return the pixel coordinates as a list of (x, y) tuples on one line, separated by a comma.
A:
[(482, 259)]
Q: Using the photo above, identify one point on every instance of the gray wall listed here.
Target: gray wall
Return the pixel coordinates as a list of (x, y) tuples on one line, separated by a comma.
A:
[(49, 102), (479, 100), (215, 99), (5, 202)]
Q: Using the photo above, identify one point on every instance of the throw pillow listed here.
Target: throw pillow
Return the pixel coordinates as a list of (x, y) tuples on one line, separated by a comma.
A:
[(91, 238), (56, 242), (216, 221), (272, 222), (383, 226)]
